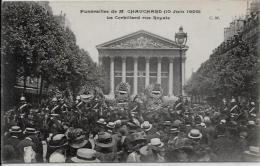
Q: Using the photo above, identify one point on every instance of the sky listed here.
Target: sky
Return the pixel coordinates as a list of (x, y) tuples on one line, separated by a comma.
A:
[(205, 30)]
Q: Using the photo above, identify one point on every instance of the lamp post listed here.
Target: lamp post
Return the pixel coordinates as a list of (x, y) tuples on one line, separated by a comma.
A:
[(181, 39)]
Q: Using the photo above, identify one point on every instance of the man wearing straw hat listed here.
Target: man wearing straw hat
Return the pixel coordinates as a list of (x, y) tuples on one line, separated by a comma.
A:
[(27, 148), (14, 137), (33, 135)]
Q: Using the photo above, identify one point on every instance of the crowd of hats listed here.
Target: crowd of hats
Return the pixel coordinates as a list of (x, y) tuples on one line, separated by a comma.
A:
[(194, 133)]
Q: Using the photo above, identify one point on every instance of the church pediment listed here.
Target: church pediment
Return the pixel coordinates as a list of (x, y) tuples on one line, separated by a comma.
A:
[(139, 40)]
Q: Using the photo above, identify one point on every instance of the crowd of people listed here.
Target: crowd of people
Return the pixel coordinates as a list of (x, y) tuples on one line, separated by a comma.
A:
[(94, 130)]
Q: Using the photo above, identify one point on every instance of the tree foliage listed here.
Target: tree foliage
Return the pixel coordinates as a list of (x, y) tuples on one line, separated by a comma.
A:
[(35, 44), (232, 73)]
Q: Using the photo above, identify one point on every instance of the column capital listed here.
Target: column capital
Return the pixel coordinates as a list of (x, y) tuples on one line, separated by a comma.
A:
[(135, 58), (171, 59), (112, 57), (183, 59), (159, 59), (147, 58), (123, 57)]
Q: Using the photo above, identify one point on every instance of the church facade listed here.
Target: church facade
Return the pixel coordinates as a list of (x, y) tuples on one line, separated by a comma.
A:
[(140, 59)]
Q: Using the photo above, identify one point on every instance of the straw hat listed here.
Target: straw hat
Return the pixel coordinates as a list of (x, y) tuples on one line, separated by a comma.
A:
[(111, 125), (167, 123), (122, 92), (85, 155), (174, 130), (156, 142), (15, 129), (251, 123), (22, 98), (146, 126), (102, 121), (253, 151), (194, 134), (29, 130)]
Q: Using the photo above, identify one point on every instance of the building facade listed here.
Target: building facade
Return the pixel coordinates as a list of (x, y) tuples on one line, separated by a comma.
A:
[(140, 59)]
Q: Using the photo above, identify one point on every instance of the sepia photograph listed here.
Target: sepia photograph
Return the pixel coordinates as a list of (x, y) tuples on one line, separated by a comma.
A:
[(130, 81)]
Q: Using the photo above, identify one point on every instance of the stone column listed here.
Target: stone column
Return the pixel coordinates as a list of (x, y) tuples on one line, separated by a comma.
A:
[(170, 76), (135, 74), (100, 60), (123, 69), (147, 71), (159, 70), (112, 82)]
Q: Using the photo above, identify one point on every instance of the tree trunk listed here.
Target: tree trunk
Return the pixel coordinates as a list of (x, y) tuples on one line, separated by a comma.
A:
[(24, 84), (41, 86)]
